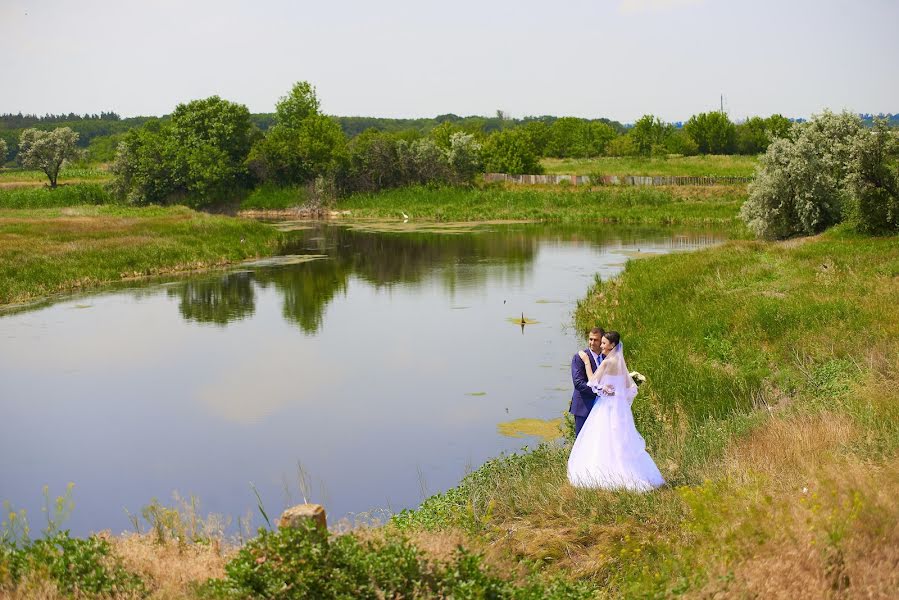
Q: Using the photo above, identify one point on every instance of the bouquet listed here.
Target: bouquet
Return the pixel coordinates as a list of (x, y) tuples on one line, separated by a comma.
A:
[(639, 378)]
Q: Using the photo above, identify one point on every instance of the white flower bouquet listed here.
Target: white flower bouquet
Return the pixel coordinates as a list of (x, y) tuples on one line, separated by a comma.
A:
[(639, 378)]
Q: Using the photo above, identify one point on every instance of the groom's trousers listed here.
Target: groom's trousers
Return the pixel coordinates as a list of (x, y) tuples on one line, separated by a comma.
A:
[(578, 424)]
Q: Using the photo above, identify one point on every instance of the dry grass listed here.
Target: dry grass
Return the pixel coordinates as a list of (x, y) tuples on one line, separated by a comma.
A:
[(169, 569)]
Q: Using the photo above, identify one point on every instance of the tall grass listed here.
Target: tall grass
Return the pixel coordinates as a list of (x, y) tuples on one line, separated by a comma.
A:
[(268, 197), (619, 205), (772, 408), (692, 166), (48, 251), (64, 195), (67, 173)]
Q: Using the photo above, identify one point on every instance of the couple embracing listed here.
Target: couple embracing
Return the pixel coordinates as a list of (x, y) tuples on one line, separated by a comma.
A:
[(608, 451)]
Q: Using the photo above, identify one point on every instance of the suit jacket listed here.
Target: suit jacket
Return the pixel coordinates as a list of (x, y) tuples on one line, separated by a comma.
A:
[(582, 398)]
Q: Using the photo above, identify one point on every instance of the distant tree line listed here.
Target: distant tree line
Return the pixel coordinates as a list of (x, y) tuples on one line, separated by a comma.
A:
[(97, 134), (210, 149)]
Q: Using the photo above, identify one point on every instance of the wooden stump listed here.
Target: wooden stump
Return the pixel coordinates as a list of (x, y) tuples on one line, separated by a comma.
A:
[(293, 516)]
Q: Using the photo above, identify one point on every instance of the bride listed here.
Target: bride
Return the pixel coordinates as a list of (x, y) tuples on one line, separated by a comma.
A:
[(610, 453)]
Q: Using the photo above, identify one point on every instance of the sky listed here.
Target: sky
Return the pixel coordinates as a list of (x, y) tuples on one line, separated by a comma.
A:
[(618, 59)]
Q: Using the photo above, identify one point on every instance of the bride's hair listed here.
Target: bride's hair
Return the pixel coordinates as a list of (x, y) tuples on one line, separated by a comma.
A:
[(612, 336)]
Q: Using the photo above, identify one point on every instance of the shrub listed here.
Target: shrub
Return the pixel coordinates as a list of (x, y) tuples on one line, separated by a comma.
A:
[(511, 152), (307, 562), (76, 566), (873, 183), (798, 189)]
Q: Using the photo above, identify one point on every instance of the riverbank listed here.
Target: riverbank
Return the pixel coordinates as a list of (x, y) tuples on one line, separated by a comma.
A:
[(772, 409), (68, 239), (62, 250), (637, 206)]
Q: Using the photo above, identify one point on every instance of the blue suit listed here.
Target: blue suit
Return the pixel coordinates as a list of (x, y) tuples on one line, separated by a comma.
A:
[(583, 398)]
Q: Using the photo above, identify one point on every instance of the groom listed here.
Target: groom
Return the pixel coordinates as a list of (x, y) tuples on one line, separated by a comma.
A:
[(583, 397)]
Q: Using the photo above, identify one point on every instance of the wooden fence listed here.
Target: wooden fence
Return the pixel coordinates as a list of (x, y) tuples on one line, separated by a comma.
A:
[(615, 179)]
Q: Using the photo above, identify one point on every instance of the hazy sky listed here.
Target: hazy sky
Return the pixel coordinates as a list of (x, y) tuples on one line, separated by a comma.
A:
[(399, 58)]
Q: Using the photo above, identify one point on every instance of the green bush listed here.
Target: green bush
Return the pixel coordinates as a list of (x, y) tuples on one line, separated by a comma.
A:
[(307, 562), (76, 566), (872, 185), (799, 186)]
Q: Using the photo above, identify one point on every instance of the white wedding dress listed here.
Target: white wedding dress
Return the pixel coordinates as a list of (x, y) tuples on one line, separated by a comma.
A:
[(609, 452)]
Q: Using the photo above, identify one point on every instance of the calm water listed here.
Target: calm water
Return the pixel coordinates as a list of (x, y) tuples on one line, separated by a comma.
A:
[(383, 369)]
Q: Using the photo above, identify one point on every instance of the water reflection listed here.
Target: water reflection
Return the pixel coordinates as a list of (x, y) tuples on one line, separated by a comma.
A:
[(219, 300), (385, 259)]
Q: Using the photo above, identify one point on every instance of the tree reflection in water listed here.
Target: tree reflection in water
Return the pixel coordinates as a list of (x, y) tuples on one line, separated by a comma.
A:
[(386, 259)]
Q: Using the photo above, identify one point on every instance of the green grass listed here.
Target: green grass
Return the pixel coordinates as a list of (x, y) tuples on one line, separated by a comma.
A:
[(48, 251), (693, 166), (67, 173), (268, 197), (612, 204), (64, 195), (772, 368)]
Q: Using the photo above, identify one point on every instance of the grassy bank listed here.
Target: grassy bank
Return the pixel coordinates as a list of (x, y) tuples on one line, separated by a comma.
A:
[(48, 251), (691, 166), (676, 205), (772, 408)]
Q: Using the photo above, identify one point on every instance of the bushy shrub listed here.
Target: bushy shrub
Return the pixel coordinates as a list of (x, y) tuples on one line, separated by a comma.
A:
[(306, 562), (799, 184), (76, 566), (510, 151), (623, 145), (872, 186)]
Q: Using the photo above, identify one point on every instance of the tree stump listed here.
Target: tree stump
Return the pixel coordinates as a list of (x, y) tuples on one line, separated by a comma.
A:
[(293, 516)]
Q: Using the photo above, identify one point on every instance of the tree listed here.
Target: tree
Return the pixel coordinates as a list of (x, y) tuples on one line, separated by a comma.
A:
[(754, 135), (47, 150), (302, 145), (510, 152), (297, 106), (713, 133), (650, 134), (4, 150), (799, 184), (578, 138), (872, 184), (198, 155)]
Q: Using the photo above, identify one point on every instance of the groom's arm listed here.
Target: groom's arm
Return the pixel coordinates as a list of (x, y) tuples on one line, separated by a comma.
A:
[(579, 375)]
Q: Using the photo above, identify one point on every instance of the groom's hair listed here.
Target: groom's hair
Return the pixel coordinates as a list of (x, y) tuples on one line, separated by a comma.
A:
[(597, 331)]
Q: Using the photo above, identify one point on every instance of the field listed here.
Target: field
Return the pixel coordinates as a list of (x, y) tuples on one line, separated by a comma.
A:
[(693, 166)]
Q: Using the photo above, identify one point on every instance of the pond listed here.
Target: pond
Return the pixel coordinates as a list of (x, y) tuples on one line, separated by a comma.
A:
[(367, 370)]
